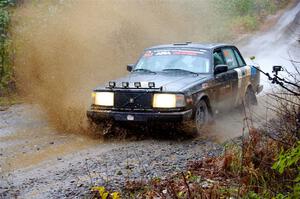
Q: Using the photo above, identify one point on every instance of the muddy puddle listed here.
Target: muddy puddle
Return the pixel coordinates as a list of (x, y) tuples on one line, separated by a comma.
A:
[(27, 139)]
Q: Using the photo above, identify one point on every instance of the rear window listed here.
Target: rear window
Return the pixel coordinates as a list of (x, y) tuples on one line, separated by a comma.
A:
[(239, 59)]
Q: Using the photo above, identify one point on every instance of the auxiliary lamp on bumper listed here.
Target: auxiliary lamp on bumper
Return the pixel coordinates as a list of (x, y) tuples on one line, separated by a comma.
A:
[(103, 98)]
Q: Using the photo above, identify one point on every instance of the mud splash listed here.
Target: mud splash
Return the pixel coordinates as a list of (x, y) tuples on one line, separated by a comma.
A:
[(67, 48)]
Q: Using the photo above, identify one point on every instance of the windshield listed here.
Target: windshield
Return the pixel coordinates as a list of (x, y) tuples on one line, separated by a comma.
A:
[(195, 61)]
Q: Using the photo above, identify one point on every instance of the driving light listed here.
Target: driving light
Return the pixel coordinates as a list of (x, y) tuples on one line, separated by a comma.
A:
[(168, 100), (137, 84), (151, 84), (112, 84), (125, 84), (103, 98)]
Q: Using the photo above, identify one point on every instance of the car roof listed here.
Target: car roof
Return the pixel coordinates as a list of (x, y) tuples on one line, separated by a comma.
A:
[(207, 46)]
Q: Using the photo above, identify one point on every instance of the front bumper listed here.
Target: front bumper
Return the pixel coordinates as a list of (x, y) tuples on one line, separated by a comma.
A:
[(96, 115)]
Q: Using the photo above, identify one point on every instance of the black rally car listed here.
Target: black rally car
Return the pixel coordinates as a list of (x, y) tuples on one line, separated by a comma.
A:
[(177, 83)]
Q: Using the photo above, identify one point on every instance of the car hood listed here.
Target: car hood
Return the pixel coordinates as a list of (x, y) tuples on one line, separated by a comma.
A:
[(170, 82)]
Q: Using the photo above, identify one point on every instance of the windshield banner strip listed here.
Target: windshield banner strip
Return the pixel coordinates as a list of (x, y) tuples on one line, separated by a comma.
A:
[(172, 52)]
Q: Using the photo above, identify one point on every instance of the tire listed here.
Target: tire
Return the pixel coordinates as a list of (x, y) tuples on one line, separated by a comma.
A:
[(250, 98), (202, 116), (250, 101)]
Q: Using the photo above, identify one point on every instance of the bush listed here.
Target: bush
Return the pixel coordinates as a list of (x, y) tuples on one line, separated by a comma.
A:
[(247, 15), (6, 62), (287, 162), (244, 24)]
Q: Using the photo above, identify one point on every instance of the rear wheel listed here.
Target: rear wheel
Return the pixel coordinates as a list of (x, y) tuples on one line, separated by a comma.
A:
[(250, 98), (249, 102)]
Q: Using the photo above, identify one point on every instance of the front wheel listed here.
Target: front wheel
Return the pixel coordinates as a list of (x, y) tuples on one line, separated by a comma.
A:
[(202, 116)]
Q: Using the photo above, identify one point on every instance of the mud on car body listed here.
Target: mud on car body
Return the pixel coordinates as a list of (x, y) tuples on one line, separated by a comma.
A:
[(178, 83)]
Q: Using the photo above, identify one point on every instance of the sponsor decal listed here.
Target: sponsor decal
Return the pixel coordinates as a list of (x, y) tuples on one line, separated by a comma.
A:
[(191, 53), (148, 54), (240, 75), (253, 71), (163, 53), (173, 52), (247, 70), (243, 76)]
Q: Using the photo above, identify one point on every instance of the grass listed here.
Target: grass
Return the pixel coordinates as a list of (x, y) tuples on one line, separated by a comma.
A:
[(10, 100)]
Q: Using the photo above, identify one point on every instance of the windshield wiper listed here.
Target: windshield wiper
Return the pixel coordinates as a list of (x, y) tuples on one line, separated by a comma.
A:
[(180, 70), (144, 70)]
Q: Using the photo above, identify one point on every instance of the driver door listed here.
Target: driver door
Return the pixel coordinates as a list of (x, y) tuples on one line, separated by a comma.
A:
[(224, 83)]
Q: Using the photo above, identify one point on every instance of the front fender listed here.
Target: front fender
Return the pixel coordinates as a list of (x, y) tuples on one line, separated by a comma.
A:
[(197, 97)]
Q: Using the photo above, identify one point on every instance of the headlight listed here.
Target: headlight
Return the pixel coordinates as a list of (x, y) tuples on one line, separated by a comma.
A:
[(103, 98), (168, 100)]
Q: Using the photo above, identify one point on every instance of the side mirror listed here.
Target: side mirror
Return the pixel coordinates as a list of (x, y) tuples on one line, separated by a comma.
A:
[(252, 58), (130, 67), (220, 69)]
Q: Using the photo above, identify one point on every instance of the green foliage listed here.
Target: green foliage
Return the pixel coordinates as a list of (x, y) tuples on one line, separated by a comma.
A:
[(247, 23), (6, 69), (252, 195), (10, 100), (246, 15), (6, 3), (237, 7), (289, 160)]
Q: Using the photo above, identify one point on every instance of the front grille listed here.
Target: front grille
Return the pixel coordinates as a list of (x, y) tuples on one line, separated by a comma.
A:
[(133, 100)]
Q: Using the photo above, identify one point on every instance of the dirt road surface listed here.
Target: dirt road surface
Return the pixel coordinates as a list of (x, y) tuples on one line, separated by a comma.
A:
[(37, 161)]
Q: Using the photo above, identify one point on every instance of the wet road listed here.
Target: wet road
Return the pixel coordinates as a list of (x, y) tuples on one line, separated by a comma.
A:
[(36, 159)]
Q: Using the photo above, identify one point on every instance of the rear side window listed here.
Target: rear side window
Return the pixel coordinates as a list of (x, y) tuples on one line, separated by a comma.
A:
[(230, 58), (218, 58), (239, 58)]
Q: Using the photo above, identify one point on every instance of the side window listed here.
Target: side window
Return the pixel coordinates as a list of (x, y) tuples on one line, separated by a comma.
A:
[(230, 58), (218, 58), (239, 58)]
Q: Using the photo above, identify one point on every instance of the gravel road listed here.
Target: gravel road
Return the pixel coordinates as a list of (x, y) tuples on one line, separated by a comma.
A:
[(39, 162)]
